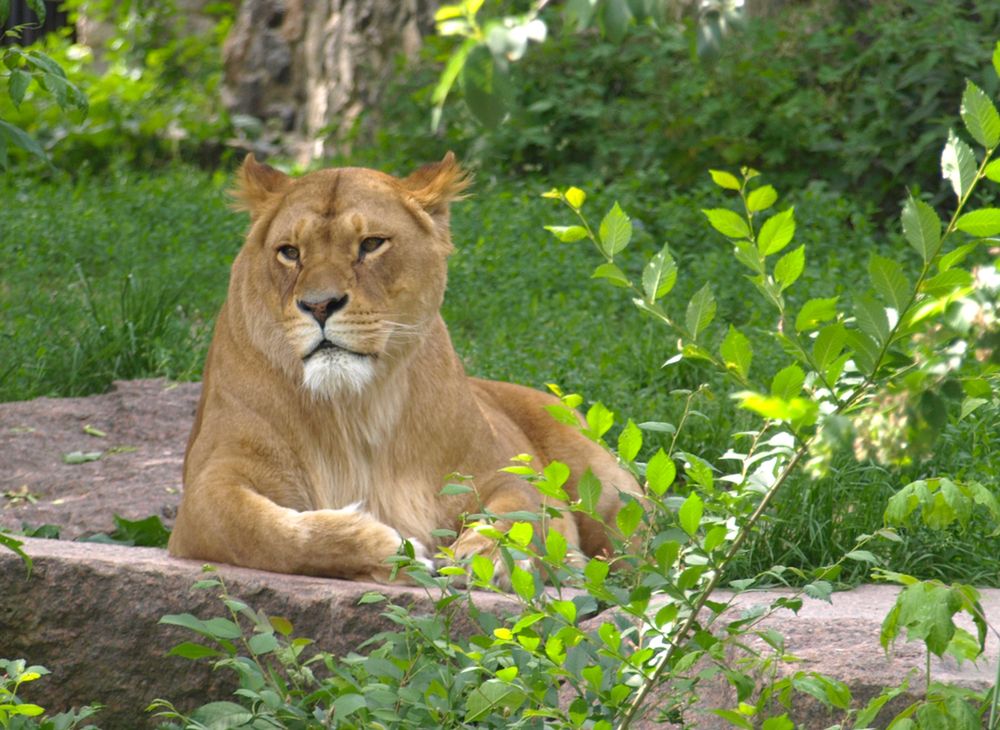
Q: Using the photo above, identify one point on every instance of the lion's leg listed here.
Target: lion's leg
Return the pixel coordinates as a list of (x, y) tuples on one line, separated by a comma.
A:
[(248, 529)]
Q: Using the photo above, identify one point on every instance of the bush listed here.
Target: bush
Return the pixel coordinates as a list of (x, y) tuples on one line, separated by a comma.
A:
[(856, 94), (153, 91)]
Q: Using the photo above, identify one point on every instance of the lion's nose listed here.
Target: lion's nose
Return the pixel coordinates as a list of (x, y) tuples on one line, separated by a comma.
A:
[(321, 311)]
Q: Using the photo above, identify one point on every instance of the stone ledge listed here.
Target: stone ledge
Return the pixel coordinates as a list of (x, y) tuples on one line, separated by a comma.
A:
[(841, 639), (89, 613)]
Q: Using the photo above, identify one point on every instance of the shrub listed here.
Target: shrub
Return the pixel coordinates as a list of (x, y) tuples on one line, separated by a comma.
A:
[(153, 91), (854, 93)]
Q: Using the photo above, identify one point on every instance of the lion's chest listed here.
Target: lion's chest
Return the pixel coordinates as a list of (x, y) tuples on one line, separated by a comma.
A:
[(400, 498)]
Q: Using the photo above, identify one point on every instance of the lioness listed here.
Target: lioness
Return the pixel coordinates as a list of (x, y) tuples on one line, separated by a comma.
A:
[(334, 405)]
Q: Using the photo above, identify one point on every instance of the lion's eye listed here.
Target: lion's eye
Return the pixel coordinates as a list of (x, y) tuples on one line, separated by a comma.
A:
[(289, 253), (370, 244)]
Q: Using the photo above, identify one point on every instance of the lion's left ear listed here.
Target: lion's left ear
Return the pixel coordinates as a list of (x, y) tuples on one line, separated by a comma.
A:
[(434, 186)]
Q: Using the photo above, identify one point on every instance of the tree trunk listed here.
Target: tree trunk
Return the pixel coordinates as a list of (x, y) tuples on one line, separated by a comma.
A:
[(309, 68)]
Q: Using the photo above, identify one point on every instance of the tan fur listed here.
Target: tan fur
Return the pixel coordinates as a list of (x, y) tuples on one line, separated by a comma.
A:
[(320, 463)]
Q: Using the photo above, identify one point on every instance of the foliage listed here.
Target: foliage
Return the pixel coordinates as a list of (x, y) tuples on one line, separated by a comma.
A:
[(153, 89), (877, 371), (23, 70), (481, 62), (147, 532), (18, 715), (854, 93)]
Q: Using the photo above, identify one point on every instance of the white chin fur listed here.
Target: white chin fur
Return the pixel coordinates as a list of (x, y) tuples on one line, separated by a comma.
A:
[(334, 372)]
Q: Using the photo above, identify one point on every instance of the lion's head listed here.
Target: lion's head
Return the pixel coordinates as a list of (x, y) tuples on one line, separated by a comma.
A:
[(343, 269)]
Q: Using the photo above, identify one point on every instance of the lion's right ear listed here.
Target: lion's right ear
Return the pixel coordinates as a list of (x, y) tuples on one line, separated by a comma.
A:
[(256, 184)]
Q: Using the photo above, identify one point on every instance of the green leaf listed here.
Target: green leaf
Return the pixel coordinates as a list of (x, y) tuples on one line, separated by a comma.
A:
[(865, 349), (700, 311), (814, 312), (889, 281), (820, 590), (492, 697), (789, 267), (762, 198), (599, 420), (612, 273), (777, 232), (922, 227), (737, 352), (660, 473), (596, 572), (728, 223), (520, 533), (980, 223), (576, 198), (747, 254), (615, 231), (486, 87), (926, 611), (81, 457), (4, 12), (628, 518), (482, 568), (788, 382), (589, 491), (19, 138), (724, 179), (616, 16), (346, 705), (262, 643), (781, 722), (556, 546), (39, 7), (956, 255), (16, 546), (689, 514), (862, 556), (947, 283), (17, 85), (996, 58), (992, 171), (698, 471), (629, 441), (958, 165), (449, 489), (567, 234), (523, 583), (26, 709), (660, 275), (980, 116), (829, 344), (872, 319)]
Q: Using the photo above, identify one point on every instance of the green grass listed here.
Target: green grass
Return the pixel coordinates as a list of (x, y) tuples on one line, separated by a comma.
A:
[(116, 277), (120, 277)]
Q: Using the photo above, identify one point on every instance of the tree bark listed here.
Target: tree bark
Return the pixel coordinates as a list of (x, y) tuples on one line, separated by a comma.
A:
[(309, 68)]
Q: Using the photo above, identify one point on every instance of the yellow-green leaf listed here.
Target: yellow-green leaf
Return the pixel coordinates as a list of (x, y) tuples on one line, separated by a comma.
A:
[(724, 179), (777, 232), (728, 223), (980, 223)]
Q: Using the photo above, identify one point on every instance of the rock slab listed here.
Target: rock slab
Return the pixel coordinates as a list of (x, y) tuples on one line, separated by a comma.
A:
[(145, 426), (89, 613)]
